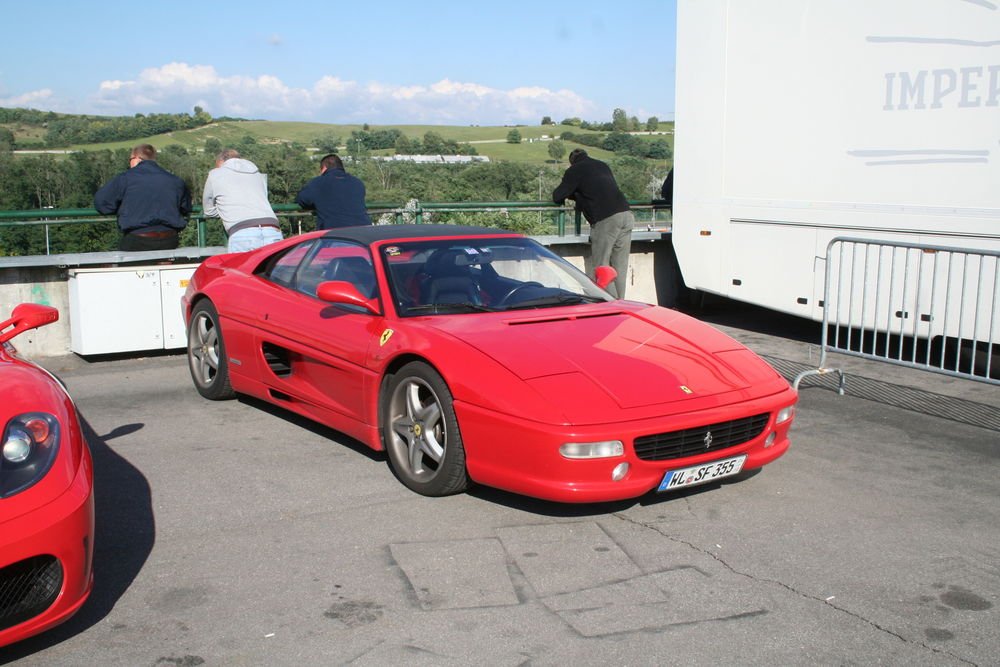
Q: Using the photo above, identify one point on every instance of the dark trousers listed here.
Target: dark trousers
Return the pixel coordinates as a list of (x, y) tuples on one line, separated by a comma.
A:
[(140, 240)]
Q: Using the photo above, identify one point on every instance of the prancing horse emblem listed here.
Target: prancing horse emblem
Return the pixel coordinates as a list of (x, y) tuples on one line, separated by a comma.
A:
[(708, 440)]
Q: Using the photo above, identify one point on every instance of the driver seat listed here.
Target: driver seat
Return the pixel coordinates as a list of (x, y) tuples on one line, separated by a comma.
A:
[(453, 289), (448, 281)]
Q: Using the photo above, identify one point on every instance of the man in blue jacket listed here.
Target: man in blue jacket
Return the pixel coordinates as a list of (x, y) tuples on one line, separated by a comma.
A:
[(337, 197), (151, 203)]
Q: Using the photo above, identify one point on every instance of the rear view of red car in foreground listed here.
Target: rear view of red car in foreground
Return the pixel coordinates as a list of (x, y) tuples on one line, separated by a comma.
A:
[(46, 492), (478, 355)]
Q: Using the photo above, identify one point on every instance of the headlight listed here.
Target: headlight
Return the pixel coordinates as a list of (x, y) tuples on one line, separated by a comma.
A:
[(30, 443), (592, 450), (784, 414)]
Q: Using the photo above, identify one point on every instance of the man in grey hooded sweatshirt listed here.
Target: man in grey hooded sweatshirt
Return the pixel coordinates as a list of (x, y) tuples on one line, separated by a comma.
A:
[(236, 191)]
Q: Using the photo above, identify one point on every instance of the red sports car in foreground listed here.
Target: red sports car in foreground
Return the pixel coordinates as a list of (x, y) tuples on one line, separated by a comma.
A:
[(473, 354), (46, 492)]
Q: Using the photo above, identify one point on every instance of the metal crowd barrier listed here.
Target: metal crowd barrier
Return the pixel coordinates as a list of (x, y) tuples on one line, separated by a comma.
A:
[(930, 307)]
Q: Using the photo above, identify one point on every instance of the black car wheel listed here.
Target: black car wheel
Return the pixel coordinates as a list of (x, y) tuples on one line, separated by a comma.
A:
[(421, 432), (207, 354)]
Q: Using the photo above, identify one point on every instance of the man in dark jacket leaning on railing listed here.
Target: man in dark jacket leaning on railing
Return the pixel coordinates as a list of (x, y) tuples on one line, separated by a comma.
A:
[(151, 203), (590, 184), (337, 197)]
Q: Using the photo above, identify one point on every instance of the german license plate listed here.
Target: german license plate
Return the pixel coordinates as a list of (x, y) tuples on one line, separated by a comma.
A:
[(706, 472)]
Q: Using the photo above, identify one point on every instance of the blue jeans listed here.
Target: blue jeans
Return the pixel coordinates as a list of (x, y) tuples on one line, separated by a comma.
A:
[(252, 238)]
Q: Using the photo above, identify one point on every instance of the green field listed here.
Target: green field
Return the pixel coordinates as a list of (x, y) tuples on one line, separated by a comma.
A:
[(490, 141), (23, 132)]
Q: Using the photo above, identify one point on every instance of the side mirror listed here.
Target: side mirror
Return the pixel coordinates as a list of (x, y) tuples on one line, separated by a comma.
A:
[(341, 291), (25, 317), (604, 275)]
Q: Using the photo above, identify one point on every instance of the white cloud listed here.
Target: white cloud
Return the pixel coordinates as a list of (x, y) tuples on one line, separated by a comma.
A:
[(446, 87), (33, 99), (179, 76), (115, 85), (180, 86)]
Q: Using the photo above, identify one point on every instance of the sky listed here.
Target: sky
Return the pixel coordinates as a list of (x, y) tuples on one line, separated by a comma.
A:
[(379, 62)]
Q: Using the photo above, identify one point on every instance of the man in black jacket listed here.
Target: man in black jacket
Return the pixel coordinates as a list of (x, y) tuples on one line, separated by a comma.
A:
[(592, 186), (152, 204), (337, 197)]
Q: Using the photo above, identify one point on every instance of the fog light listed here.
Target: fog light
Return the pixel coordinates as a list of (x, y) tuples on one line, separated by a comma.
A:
[(770, 439), (592, 450), (618, 474), (784, 414), (18, 446)]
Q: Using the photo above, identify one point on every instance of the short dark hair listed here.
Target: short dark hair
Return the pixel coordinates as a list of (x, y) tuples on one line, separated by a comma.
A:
[(332, 161), (144, 152), (576, 155)]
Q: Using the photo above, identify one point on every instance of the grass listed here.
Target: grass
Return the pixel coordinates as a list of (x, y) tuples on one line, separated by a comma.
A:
[(230, 132), (22, 132)]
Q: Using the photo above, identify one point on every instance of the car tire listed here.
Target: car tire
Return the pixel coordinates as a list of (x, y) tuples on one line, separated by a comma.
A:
[(207, 354), (421, 434)]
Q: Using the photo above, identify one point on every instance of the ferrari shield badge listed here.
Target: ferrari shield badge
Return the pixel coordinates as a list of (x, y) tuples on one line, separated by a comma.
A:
[(386, 335), (686, 390)]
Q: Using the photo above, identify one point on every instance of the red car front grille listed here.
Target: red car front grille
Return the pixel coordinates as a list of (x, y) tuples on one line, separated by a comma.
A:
[(700, 439), (27, 588)]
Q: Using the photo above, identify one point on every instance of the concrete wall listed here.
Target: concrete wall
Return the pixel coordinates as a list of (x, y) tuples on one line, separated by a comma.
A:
[(44, 285), (653, 274), (651, 279), (45, 279)]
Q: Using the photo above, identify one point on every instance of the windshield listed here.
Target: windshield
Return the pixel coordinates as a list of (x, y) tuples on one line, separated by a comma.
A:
[(482, 274)]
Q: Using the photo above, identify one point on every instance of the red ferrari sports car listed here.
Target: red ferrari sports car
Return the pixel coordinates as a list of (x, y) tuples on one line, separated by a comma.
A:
[(46, 492), (473, 354)]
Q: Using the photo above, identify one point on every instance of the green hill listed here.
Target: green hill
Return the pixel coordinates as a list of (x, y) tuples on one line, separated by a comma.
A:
[(490, 141)]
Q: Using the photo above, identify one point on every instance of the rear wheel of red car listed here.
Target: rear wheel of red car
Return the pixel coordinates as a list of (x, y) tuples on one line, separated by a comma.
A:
[(421, 432), (207, 354)]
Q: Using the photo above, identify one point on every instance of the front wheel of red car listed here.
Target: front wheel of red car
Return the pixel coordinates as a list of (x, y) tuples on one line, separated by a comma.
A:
[(207, 354), (421, 432)]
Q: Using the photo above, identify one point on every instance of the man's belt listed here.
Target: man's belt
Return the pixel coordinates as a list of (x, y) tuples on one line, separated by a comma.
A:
[(162, 234), (251, 224)]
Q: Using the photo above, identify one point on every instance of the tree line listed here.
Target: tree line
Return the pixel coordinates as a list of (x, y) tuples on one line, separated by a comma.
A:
[(622, 143), (70, 181), (362, 142), (63, 130), (620, 122)]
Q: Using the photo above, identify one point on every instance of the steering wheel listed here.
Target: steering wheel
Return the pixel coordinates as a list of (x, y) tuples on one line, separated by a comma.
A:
[(517, 288)]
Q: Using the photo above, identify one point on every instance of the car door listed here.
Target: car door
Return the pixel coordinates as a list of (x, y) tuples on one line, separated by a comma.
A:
[(317, 352)]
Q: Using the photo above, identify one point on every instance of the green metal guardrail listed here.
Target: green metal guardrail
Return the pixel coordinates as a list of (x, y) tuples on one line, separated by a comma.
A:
[(646, 215)]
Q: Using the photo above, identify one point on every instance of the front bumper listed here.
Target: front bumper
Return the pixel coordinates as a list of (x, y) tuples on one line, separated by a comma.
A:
[(517, 455), (53, 541)]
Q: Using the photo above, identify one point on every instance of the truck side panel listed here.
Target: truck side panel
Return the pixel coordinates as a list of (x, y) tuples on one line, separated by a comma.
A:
[(802, 120)]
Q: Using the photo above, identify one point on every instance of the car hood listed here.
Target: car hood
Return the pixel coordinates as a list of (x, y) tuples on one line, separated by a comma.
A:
[(636, 357)]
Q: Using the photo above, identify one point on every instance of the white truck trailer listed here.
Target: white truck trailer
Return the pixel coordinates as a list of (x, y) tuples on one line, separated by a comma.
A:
[(799, 121)]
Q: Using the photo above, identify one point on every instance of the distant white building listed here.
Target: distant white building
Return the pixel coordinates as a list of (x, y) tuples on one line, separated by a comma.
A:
[(433, 159)]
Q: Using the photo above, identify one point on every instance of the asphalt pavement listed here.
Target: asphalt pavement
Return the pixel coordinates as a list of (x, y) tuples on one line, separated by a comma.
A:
[(235, 533)]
